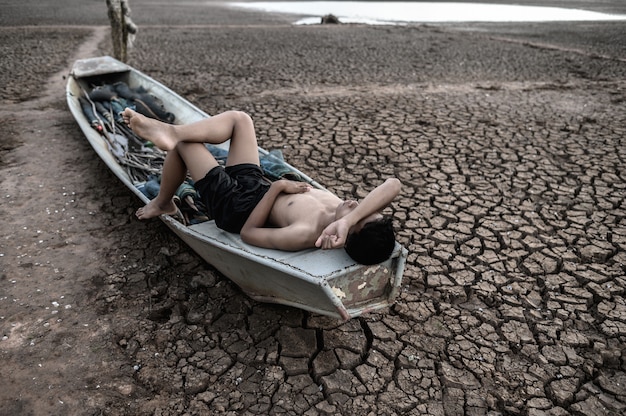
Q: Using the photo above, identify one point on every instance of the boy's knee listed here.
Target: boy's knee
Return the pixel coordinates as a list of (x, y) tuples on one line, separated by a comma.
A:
[(241, 117)]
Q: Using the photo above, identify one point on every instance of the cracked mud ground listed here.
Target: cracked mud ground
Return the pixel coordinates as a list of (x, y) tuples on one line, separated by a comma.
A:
[(509, 142)]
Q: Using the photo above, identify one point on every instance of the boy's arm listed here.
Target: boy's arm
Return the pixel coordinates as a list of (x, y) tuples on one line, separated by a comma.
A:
[(335, 235), (289, 238)]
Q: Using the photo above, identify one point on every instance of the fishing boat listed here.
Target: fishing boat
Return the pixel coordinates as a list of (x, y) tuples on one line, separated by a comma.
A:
[(326, 282)]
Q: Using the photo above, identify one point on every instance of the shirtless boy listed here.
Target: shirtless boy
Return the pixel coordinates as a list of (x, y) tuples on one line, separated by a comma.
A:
[(283, 215)]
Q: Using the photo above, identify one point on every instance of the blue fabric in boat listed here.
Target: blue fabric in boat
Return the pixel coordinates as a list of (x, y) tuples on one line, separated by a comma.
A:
[(151, 187), (272, 163)]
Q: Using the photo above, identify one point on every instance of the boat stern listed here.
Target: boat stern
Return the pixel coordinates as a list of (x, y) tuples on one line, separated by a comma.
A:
[(103, 65)]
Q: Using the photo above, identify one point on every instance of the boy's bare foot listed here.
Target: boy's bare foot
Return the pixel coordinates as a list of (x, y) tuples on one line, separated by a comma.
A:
[(159, 133), (153, 209)]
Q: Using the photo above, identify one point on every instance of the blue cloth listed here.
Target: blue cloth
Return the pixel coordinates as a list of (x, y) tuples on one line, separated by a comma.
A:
[(272, 163), (151, 187)]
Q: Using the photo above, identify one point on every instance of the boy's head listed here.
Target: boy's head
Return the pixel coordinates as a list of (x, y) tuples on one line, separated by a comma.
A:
[(373, 243)]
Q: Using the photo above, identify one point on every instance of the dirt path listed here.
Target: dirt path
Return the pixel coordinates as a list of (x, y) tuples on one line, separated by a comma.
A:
[(52, 249)]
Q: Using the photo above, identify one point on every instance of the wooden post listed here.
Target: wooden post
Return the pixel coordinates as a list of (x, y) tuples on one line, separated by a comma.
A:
[(123, 29)]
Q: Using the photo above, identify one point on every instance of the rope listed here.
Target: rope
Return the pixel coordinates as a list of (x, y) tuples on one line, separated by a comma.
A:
[(138, 160)]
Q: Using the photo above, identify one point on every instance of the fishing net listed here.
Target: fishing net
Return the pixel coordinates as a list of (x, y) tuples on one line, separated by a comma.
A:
[(143, 162), (103, 107)]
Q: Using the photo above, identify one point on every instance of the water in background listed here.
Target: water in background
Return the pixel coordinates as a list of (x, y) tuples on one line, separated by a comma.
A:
[(407, 12)]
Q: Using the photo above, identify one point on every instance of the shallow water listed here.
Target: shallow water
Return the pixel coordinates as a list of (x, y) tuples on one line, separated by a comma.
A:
[(407, 12)]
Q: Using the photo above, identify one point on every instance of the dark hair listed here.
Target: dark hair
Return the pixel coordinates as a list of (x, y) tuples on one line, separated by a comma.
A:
[(373, 244)]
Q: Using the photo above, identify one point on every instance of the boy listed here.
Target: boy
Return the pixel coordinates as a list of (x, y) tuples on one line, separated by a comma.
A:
[(282, 215)]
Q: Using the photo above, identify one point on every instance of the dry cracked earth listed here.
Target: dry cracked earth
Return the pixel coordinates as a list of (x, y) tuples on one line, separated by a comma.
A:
[(509, 142)]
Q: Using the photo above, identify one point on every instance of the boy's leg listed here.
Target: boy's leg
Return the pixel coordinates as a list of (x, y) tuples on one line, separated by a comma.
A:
[(243, 144), (236, 126), (186, 150), (174, 173), (192, 157), (197, 158)]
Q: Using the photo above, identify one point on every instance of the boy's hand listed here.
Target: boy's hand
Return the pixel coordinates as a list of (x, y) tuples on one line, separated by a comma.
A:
[(334, 235), (292, 187)]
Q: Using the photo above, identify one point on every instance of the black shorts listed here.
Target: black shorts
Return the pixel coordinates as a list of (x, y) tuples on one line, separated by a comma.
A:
[(231, 194)]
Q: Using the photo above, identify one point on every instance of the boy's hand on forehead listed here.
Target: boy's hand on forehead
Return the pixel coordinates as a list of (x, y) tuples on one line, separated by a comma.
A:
[(334, 235)]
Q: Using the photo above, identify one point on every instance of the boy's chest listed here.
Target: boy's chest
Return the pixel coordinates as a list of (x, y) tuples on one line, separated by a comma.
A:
[(305, 208)]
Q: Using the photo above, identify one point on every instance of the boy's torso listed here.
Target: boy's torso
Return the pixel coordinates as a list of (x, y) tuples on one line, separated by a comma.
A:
[(315, 208)]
